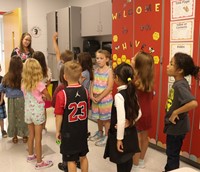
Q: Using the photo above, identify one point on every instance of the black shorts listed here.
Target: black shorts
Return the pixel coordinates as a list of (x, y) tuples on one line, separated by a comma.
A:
[(73, 157)]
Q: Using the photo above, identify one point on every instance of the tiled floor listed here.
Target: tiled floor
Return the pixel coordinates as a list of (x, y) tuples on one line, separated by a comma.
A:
[(13, 156)]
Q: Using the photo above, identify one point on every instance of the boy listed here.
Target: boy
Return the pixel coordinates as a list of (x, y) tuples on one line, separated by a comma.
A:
[(71, 111)]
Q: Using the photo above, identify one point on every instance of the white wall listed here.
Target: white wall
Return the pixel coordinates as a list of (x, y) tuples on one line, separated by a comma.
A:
[(82, 3), (9, 5), (34, 14)]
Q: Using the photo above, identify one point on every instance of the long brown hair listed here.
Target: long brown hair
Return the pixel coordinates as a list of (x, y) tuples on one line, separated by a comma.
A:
[(144, 70), (30, 49), (13, 77)]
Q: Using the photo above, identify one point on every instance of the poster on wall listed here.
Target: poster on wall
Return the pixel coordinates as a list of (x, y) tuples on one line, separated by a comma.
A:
[(182, 30), (184, 47), (182, 9)]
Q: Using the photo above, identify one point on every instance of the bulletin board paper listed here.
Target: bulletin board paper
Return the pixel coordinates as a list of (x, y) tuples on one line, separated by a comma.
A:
[(182, 9), (184, 47), (182, 30)]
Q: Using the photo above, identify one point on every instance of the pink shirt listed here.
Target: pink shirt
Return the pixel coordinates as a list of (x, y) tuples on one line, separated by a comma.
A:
[(37, 93)]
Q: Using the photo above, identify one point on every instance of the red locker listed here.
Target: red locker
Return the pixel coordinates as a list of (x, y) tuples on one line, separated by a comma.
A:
[(148, 24)]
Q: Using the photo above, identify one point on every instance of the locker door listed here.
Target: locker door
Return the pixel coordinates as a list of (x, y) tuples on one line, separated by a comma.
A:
[(63, 29), (51, 29), (191, 140), (194, 153)]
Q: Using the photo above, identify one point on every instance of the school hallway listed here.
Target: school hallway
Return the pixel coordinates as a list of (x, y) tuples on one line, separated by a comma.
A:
[(13, 156)]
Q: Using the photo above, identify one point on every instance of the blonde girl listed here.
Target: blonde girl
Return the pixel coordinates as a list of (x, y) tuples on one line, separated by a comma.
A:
[(143, 65), (35, 93), (101, 96)]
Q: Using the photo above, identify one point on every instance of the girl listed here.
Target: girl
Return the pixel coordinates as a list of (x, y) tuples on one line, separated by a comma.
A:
[(47, 76), (35, 92), (101, 96), (11, 86), (24, 50), (143, 65), (2, 111), (123, 140), (180, 101), (85, 61)]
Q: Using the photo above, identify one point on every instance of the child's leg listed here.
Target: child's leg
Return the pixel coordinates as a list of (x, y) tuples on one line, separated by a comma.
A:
[(144, 142), (107, 126), (38, 144), (31, 130), (100, 126), (174, 144), (84, 164), (125, 167), (71, 166), (1, 124), (138, 158), (44, 124), (103, 140)]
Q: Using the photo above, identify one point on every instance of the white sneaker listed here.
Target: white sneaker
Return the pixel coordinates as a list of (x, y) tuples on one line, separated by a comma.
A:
[(102, 142), (141, 163), (98, 135), (135, 168)]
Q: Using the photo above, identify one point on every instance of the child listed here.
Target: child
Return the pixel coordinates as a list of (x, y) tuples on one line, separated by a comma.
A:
[(61, 58), (61, 86), (35, 92), (123, 140), (47, 76), (85, 60), (11, 86), (180, 101), (71, 111), (143, 66), (101, 95), (2, 111)]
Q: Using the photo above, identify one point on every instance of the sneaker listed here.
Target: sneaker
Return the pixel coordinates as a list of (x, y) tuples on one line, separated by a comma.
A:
[(31, 158), (98, 135), (4, 134), (44, 131), (43, 164), (141, 163), (135, 168), (63, 166), (102, 142)]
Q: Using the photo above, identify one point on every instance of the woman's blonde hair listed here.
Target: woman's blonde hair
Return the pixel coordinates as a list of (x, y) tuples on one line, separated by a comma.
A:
[(144, 70), (31, 75)]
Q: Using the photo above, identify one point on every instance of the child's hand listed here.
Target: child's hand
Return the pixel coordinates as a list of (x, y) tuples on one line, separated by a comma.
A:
[(58, 136), (44, 97), (127, 124), (173, 117), (120, 146), (55, 36)]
